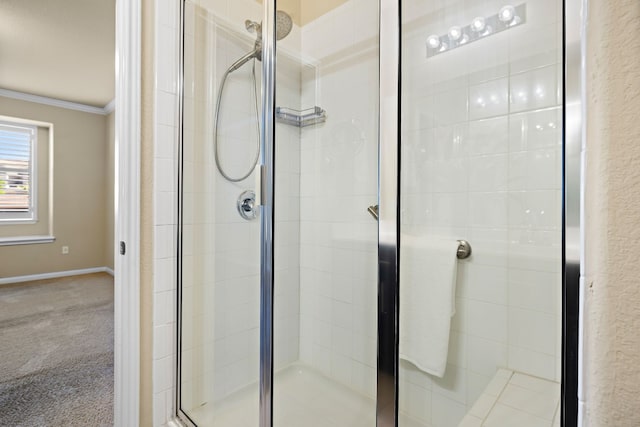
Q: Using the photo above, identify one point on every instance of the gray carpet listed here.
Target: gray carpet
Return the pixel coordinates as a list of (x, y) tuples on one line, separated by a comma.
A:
[(56, 352)]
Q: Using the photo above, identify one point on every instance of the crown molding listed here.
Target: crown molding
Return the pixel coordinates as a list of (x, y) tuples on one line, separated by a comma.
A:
[(53, 102)]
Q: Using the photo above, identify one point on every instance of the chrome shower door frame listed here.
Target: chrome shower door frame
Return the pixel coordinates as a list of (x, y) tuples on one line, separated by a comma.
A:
[(389, 167), (267, 182), (388, 214), (388, 223)]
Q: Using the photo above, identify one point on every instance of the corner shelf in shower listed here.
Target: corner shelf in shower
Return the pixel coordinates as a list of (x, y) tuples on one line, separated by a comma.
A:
[(308, 117)]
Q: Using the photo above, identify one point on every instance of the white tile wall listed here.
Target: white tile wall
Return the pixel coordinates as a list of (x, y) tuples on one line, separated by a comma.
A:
[(164, 210)]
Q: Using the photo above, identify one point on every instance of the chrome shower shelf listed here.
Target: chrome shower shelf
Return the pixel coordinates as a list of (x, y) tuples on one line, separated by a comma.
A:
[(308, 117)]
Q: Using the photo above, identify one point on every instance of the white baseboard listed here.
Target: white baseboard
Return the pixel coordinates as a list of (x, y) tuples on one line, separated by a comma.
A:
[(44, 276)]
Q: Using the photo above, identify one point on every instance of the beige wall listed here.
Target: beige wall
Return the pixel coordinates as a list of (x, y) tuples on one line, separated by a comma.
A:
[(110, 147), (146, 216), (612, 221), (79, 194), (304, 11)]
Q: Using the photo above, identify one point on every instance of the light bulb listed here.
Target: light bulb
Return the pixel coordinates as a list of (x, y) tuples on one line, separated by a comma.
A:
[(433, 41), (455, 33), (507, 13), (478, 24)]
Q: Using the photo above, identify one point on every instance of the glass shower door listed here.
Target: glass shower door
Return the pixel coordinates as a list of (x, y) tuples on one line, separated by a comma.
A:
[(480, 335), (288, 310), (219, 292), (278, 301), (326, 156)]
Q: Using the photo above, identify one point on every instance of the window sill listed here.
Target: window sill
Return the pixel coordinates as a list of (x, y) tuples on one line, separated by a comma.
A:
[(17, 221), (26, 240)]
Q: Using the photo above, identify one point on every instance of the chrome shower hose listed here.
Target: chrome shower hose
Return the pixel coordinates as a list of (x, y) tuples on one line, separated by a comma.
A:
[(217, 118)]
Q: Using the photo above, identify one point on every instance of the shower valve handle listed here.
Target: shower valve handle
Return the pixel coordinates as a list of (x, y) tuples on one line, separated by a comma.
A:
[(247, 207)]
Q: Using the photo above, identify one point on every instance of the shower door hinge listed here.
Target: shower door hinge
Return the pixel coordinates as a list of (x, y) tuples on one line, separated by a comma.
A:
[(123, 248)]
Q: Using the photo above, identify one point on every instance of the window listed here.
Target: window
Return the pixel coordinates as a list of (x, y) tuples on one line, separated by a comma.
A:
[(18, 144)]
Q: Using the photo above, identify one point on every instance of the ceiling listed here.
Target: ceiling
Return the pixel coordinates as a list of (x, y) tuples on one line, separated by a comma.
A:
[(63, 49)]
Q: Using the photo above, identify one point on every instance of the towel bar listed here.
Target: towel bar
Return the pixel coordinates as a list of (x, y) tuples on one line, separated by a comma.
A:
[(464, 249), (373, 210)]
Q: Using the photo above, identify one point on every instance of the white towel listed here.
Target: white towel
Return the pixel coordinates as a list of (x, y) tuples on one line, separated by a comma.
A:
[(427, 300)]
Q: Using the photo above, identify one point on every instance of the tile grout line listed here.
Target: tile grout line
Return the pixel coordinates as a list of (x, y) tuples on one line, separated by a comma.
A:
[(495, 401)]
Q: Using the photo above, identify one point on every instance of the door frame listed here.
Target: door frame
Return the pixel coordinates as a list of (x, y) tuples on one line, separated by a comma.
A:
[(127, 214), (389, 160)]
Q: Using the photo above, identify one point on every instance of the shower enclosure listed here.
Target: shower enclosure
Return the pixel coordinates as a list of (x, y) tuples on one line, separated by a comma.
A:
[(372, 221)]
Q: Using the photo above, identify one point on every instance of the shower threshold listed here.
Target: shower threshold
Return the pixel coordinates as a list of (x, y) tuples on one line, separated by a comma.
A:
[(302, 397)]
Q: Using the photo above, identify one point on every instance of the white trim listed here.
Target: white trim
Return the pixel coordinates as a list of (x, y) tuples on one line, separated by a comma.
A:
[(55, 275), (50, 129), (127, 214), (53, 102), (175, 422), (110, 107), (31, 215), (26, 240), (109, 271)]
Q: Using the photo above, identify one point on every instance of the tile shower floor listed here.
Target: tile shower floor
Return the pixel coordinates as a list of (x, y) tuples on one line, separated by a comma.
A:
[(516, 399), (304, 397)]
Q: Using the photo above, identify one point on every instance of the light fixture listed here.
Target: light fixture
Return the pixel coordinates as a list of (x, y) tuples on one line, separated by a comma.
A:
[(433, 41), (507, 13), (478, 24), (479, 28), (455, 33)]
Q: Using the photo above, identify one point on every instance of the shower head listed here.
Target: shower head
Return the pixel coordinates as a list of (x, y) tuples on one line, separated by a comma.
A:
[(284, 24)]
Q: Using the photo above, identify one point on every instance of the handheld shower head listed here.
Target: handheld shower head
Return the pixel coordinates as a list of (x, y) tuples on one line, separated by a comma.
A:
[(253, 27), (284, 24)]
